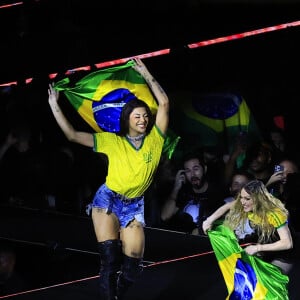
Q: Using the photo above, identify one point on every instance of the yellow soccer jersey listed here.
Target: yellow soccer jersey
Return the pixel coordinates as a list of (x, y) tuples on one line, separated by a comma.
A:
[(130, 170), (275, 218)]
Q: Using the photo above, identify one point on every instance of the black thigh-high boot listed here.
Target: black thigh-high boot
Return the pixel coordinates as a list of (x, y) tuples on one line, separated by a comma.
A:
[(110, 263), (131, 269)]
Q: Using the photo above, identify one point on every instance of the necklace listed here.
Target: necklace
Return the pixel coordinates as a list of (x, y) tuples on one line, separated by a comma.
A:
[(135, 138)]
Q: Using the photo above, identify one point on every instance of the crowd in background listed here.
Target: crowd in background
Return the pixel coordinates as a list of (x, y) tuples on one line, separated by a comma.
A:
[(39, 168)]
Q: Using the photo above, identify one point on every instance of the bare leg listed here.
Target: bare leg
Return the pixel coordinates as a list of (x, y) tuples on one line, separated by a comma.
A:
[(133, 239), (284, 266), (106, 226)]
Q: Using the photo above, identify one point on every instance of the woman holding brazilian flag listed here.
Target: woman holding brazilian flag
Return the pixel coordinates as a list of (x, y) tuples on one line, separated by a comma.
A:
[(119, 106), (259, 270)]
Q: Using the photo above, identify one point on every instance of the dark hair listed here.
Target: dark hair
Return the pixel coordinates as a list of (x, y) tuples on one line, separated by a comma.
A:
[(127, 110), (243, 172), (194, 154), (259, 148)]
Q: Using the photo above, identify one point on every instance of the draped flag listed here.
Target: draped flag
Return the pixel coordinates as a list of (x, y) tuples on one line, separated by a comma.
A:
[(247, 277), (214, 118), (99, 97)]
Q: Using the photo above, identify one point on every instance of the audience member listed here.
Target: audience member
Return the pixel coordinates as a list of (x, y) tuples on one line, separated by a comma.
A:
[(239, 179), (285, 185), (277, 139), (235, 159), (159, 190), (259, 161), (279, 178), (192, 198), (23, 166), (24, 160), (213, 159), (62, 183)]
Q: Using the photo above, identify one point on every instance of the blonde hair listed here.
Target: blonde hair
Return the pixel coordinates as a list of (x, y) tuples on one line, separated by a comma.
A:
[(264, 203)]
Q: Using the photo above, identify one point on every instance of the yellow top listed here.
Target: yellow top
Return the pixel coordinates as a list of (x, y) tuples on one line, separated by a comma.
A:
[(275, 218), (130, 170)]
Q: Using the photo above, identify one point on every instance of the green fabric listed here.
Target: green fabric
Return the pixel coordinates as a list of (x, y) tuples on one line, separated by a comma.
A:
[(99, 97), (246, 276)]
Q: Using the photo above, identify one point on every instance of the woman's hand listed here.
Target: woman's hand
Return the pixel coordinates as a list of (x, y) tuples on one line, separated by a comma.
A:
[(252, 249), (140, 67), (274, 178), (179, 180), (206, 225), (53, 95)]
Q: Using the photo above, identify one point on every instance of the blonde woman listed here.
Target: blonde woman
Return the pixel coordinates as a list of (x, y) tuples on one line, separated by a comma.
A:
[(269, 219)]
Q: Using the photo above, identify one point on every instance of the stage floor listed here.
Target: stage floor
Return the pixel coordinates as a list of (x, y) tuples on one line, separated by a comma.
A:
[(58, 260)]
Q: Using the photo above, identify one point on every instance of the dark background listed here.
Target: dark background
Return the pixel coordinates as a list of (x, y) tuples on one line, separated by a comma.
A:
[(48, 36), (42, 36)]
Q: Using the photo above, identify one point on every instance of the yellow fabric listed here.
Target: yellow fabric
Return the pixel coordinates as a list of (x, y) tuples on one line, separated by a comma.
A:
[(130, 171), (275, 218)]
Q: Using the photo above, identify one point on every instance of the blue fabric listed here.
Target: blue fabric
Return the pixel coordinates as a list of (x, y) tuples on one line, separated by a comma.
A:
[(125, 209)]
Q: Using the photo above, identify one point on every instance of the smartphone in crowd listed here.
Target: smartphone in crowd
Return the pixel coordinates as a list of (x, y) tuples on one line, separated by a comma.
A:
[(278, 168)]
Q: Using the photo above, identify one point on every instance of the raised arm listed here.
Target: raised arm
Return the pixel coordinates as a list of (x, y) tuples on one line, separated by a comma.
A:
[(169, 208), (162, 116), (83, 138), (207, 224)]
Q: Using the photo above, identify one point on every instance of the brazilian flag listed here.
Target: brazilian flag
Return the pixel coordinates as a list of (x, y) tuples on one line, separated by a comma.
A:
[(99, 97), (246, 276), (214, 119)]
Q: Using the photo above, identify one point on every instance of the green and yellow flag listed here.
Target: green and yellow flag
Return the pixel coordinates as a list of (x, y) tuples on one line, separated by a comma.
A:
[(211, 119), (246, 276), (99, 97)]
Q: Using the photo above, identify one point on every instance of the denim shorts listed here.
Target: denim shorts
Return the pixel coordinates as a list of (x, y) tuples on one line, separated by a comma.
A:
[(124, 208)]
